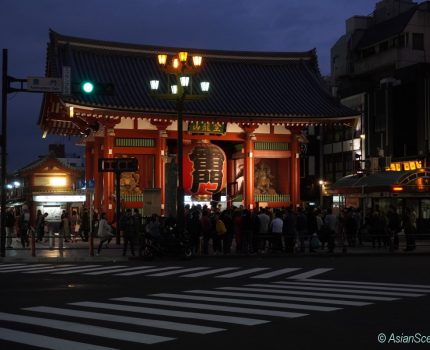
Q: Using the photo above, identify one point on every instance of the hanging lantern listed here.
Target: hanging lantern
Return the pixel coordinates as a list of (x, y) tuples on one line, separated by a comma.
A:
[(204, 169)]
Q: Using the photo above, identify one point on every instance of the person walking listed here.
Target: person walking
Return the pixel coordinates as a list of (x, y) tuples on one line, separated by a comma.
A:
[(104, 232), (85, 225), (75, 225), (127, 225)]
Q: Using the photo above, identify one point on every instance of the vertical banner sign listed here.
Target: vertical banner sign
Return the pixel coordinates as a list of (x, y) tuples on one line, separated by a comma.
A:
[(67, 73), (204, 169)]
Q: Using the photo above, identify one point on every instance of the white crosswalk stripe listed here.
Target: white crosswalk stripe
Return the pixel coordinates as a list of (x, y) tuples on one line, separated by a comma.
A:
[(245, 321), (46, 342), (358, 291), (158, 271), (311, 273), (212, 307), (279, 297), (270, 299), (22, 268), (298, 291), (176, 326), (85, 329), (374, 283), (73, 268), (242, 273), (116, 269)]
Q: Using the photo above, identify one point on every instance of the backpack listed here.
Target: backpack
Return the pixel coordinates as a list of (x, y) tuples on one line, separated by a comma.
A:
[(220, 227)]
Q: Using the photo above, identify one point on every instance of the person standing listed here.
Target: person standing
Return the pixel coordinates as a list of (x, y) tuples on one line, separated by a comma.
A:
[(277, 225), (85, 225), (263, 228), (104, 232), (24, 226), (410, 227), (75, 225), (65, 226), (332, 225), (127, 225), (10, 227)]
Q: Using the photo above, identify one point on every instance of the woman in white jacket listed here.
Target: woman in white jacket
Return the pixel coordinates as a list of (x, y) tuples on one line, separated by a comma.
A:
[(104, 232)]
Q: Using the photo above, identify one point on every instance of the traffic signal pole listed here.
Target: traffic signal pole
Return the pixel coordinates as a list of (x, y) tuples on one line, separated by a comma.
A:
[(3, 145)]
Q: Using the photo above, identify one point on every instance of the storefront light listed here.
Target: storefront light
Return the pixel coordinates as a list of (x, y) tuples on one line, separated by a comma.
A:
[(57, 181)]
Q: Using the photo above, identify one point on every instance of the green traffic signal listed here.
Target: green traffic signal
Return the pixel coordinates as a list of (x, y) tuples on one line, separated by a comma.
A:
[(87, 87)]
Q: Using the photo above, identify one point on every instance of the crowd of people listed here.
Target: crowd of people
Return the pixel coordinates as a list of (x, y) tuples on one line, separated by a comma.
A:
[(291, 230), (234, 230)]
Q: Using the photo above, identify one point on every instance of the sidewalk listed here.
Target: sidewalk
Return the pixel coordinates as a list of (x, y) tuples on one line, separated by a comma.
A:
[(79, 252)]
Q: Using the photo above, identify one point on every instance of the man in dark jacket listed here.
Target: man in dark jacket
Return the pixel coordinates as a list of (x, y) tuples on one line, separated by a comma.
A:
[(127, 226)]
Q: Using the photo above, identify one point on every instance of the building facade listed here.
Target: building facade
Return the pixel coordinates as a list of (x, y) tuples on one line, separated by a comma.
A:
[(249, 130)]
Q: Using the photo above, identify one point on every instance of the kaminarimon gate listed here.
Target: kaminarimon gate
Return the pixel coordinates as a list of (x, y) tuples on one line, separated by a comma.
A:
[(248, 130)]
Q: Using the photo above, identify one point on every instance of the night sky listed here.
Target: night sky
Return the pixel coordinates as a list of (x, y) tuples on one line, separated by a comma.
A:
[(255, 25)]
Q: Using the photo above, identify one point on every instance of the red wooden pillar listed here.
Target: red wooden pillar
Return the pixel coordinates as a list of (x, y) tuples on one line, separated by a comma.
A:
[(230, 180), (89, 169), (98, 178), (295, 169), (249, 166), (108, 178)]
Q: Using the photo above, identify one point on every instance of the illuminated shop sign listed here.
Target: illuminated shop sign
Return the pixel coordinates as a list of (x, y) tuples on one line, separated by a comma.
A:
[(59, 198), (405, 166)]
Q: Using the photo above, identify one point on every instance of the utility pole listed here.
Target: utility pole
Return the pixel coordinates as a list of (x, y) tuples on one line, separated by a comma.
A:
[(3, 145)]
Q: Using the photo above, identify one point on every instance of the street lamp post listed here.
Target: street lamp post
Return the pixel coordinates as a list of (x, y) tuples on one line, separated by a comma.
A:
[(181, 68)]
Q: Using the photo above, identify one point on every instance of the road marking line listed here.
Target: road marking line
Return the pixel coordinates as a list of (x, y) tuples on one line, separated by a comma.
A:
[(146, 271), (362, 286), (283, 290), (23, 268), (280, 297), (277, 272), (169, 273), (210, 272), (70, 268), (173, 313), (242, 273), (117, 270), (176, 326), (47, 268), (311, 273), (85, 329), (374, 283), (10, 266), (85, 269), (212, 307), (358, 291), (45, 342), (247, 302)]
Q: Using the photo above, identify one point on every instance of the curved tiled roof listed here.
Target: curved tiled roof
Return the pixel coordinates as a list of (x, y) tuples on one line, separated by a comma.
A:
[(244, 85)]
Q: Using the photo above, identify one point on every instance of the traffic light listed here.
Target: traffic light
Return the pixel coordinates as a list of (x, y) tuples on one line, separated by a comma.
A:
[(89, 87)]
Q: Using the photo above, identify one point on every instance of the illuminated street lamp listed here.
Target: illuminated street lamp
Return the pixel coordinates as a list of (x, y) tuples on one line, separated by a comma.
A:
[(182, 68)]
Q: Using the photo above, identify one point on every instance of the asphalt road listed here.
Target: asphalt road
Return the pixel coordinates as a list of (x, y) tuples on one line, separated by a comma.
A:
[(218, 303)]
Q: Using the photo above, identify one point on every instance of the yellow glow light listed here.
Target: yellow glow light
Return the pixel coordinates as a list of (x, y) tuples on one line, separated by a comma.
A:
[(162, 59), (175, 63), (57, 181), (183, 56), (397, 189), (197, 61)]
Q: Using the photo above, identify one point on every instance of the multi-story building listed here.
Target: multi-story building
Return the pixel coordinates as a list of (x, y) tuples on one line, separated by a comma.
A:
[(381, 67)]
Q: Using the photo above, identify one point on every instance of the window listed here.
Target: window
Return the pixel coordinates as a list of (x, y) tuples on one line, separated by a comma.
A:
[(368, 51), (383, 46), (418, 41)]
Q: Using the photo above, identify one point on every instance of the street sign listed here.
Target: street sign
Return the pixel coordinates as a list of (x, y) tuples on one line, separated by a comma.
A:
[(117, 165), (44, 84), (67, 84)]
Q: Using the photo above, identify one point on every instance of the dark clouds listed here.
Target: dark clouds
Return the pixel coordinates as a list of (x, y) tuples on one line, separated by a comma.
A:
[(255, 25)]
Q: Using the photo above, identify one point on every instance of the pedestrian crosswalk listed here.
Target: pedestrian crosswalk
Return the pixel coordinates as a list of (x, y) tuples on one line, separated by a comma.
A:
[(127, 321), (231, 272)]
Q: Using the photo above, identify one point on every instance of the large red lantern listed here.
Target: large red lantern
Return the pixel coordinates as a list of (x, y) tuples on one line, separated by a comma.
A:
[(204, 169)]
